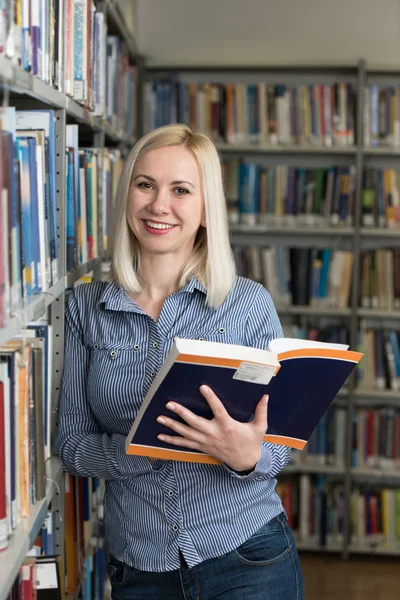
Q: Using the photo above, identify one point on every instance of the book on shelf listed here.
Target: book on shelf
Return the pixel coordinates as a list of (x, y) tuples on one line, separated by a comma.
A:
[(381, 116), (319, 278), (258, 113), (301, 377), (66, 44), (285, 195)]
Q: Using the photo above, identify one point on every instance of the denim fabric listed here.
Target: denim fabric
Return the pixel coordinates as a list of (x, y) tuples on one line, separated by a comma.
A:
[(265, 567)]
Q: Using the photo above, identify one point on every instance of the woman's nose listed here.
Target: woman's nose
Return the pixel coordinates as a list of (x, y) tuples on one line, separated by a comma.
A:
[(159, 203)]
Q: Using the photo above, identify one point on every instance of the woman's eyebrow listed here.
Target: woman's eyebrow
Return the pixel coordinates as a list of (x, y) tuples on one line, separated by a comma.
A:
[(176, 182), (179, 182)]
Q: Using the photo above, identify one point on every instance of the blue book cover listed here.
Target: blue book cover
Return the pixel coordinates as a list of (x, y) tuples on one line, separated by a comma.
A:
[(25, 191), (36, 288), (301, 378)]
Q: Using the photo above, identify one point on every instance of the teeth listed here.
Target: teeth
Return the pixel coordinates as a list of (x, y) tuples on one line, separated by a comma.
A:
[(158, 225)]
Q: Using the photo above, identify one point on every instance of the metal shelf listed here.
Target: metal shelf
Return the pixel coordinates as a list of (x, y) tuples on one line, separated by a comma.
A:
[(27, 531), (315, 547), (389, 474), (22, 82), (382, 551), (379, 232), (313, 311), (116, 17), (381, 151), (288, 149), (36, 306), (73, 276), (32, 310), (313, 468), (374, 397), (312, 230), (378, 313)]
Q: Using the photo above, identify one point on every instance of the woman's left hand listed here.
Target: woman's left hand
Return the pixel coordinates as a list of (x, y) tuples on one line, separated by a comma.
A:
[(236, 444)]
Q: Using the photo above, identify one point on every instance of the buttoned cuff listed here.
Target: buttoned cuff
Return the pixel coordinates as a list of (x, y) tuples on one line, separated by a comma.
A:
[(261, 469)]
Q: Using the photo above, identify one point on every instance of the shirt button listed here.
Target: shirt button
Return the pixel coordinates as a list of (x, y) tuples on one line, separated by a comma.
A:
[(95, 346), (155, 344), (113, 354), (221, 330), (153, 374), (175, 527), (170, 493), (136, 347), (201, 339)]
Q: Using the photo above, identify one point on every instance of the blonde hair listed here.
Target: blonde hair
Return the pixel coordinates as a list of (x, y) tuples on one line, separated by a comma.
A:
[(212, 260)]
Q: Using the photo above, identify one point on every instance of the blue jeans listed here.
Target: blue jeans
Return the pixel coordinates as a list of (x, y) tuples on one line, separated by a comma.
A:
[(265, 567)]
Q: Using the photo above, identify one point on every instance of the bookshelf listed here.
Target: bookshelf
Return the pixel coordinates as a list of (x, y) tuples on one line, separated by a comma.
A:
[(104, 133), (182, 93)]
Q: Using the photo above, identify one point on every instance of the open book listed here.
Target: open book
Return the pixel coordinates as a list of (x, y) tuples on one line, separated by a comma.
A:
[(301, 377)]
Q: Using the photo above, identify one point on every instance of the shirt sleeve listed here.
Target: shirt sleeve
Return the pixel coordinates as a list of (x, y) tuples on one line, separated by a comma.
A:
[(262, 326), (84, 450)]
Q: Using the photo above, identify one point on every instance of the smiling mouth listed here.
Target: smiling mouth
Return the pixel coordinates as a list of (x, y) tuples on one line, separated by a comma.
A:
[(154, 225)]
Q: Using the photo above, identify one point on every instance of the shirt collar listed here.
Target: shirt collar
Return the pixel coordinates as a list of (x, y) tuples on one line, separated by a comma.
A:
[(115, 298)]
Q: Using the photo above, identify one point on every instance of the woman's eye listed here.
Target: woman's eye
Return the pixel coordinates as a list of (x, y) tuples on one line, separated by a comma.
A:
[(181, 191), (145, 185)]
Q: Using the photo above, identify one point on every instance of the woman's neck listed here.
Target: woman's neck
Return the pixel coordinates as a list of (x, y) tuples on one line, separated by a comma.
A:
[(159, 278)]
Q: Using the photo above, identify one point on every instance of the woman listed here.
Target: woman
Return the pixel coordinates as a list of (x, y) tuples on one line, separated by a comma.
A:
[(173, 529)]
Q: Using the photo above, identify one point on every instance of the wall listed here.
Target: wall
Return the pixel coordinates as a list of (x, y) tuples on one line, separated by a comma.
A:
[(269, 31)]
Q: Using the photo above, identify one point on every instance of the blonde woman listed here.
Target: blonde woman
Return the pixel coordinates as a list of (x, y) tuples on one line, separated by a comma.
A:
[(174, 530)]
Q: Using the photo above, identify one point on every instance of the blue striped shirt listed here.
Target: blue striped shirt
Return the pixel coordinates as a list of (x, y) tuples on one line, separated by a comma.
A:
[(113, 351)]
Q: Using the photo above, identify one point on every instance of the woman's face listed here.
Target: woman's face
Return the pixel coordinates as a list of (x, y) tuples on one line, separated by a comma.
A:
[(165, 204)]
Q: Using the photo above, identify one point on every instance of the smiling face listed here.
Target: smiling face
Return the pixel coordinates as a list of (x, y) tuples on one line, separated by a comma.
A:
[(165, 204)]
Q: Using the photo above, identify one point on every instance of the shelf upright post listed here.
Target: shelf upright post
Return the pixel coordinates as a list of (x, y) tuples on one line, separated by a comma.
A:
[(354, 298)]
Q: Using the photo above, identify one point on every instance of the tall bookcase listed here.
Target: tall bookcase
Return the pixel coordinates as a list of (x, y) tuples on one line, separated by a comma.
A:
[(21, 89), (356, 238)]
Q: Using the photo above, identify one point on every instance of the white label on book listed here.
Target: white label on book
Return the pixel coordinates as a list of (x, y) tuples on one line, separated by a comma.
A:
[(46, 576), (254, 373)]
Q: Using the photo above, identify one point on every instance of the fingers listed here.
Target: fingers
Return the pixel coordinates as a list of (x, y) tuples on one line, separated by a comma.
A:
[(179, 441), (218, 409), (183, 430), (261, 414)]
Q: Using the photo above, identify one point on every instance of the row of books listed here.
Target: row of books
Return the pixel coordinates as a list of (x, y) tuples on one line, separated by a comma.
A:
[(42, 571), (309, 196), (322, 278), (92, 177), (28, 238), (25, 416), (29, 257), (327, 444), (380, 279), (380, 368), (376, 438), (382, 116), (256, 113), (39, 578), (316, 512), (66, 44), (299, 276), (285, 195), (85, 554)]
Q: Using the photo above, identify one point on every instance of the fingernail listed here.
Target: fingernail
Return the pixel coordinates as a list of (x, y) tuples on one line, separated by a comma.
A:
[(266, 399), (161, 420), (205, 389), (161, 437), (170, 406)]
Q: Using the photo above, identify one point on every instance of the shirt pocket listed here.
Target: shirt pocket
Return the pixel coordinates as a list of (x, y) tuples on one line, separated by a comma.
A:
[(115, 380), (226, 334)]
